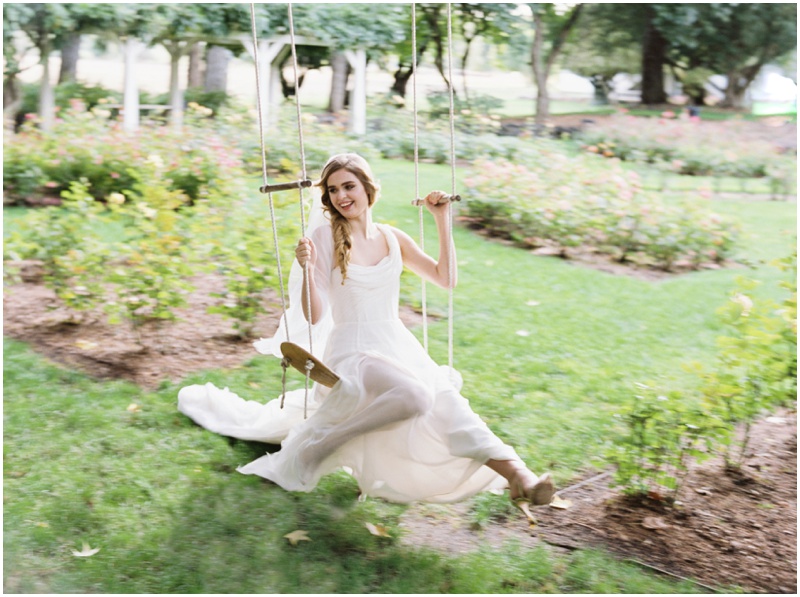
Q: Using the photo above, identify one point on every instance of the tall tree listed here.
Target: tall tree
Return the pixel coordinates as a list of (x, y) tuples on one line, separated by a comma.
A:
[(552, 25), (600, 49), (494, 22), (42, 24), (736, 40)]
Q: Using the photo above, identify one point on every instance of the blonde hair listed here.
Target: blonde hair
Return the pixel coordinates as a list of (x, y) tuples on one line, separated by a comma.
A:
[(340, 226)]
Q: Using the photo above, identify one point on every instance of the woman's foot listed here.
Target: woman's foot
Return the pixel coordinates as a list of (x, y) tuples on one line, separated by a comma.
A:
[(526, 490)]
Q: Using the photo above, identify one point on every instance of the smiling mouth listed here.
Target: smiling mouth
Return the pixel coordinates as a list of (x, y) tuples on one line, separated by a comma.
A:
[(346, 205)]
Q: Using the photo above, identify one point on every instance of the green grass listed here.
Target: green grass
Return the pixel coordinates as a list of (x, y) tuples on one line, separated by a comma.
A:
[(160, 497)]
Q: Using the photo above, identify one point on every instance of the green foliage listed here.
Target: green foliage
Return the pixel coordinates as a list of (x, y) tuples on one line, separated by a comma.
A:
[(68, 95), (245, 255), (477, 115), (756, 369), (661, 437), (149, 277), (87, 145), (62, 239), (565, 202)]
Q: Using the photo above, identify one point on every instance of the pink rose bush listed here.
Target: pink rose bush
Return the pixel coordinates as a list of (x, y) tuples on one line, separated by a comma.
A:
[(565, 202), (685, 146)]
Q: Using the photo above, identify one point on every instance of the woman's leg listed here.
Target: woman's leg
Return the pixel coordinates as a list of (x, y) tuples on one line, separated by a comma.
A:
[(391, 396)]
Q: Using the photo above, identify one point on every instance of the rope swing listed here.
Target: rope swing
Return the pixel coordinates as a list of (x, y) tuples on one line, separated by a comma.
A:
[(293, 355), (453, 196)]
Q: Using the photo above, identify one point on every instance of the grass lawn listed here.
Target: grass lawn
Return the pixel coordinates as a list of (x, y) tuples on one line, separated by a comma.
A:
[(548, 351)]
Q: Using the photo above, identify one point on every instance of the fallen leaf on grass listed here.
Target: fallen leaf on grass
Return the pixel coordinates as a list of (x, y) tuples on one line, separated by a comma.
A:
[(86, 551), (377, 530), (134, 408), (654, 523), (253, 384), (296, 536), (560, 503)]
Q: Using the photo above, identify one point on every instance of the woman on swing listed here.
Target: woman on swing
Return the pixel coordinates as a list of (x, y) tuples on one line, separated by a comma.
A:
[(395, 419)]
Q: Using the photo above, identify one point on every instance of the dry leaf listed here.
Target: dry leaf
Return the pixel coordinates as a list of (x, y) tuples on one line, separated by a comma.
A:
[(85, 344), (703, 490), (86, 551), (654, 523), (296, 536), (560, 503), (253, 384), (134, 408), (377, 530)]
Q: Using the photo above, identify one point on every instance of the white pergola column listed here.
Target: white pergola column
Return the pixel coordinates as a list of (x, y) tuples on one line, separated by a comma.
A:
[(130, 99), (269, 77), (358, 96)]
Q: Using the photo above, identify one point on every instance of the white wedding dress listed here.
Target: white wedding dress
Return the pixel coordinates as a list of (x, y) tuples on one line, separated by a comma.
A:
[(395, 420)]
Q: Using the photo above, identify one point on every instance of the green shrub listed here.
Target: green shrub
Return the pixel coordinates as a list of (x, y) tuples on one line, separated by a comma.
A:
[(565, 202), (245, 256), (757, 366), (86, 145), (684, 147), (661, 437), (64, 240)]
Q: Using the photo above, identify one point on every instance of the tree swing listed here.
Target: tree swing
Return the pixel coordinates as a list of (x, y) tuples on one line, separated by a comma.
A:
[(294, 355)]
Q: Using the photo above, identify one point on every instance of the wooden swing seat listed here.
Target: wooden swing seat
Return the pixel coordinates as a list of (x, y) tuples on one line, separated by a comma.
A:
[(298, 357)]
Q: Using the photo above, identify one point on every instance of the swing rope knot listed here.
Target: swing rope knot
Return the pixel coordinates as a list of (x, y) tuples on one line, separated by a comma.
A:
[(309, 365)]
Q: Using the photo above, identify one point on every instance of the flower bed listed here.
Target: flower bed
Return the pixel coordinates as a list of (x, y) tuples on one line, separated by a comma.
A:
[(85, 145), (686, 147), (566, 202)]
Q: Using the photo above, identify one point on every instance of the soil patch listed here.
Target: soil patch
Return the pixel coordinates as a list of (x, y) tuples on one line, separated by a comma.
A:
[(87, 342), (727, 529)]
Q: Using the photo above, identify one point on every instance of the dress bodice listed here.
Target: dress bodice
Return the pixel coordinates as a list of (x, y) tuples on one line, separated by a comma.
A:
[(370, 293)]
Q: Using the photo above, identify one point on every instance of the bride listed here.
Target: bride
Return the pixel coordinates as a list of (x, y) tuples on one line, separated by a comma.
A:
[(395, 420)]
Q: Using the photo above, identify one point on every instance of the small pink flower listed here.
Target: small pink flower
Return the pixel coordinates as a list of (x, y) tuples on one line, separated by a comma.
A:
[(114, 175), (51, 184)]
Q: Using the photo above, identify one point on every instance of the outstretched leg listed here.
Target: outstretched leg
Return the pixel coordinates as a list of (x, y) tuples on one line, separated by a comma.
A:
[(391, 396)]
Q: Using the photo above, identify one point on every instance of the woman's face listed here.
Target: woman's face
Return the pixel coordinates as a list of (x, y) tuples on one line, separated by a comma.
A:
[(347, 194)]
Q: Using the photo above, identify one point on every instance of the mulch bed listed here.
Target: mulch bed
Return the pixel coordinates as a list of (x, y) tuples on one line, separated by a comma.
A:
[(728, 529)]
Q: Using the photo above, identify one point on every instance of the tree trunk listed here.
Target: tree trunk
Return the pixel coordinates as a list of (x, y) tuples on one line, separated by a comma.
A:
[(539, 74), (70, 52), (217, 60), (542, 66), (404, 73), (738, 82), (401, 78), (464, 59), (432, 15), (195, 75), (341, 71), (47, 100), (654, 48)]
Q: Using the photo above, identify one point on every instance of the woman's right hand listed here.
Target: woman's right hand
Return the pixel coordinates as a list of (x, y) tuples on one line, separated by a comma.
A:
[(306, 253)]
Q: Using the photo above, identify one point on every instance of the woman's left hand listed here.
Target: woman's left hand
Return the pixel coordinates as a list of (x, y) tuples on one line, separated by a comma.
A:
[(436, 203)]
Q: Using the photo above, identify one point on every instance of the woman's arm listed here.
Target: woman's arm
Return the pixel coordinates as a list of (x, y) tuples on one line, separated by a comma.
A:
[(422, 264), (306, 254)]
